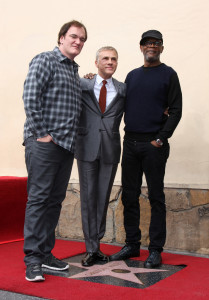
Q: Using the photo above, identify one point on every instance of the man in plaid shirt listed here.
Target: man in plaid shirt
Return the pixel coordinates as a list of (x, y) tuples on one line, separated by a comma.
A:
[(52, 101)]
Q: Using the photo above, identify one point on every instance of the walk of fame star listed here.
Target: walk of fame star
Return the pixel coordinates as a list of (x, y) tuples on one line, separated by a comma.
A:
[(128, 273), (118, 269)]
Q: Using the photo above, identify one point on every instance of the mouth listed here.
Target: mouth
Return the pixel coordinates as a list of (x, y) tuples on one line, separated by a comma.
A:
[(76, 47), (151, 51)]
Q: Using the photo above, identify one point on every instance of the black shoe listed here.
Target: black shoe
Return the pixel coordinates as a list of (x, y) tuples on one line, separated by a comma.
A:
[(128, 251), (90, 259), (101, 256), (53, 263), (34, 273), (154, 260)]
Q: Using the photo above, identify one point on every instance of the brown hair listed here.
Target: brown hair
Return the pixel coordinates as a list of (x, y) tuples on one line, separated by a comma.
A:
[(64, 29)]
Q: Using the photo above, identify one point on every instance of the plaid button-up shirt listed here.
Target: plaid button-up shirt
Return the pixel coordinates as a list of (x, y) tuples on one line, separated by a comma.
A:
[(52, 98)]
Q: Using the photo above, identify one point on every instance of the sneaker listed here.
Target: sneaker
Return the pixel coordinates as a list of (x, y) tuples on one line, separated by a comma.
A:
[(34, 273), (54, 263), (154, 260)]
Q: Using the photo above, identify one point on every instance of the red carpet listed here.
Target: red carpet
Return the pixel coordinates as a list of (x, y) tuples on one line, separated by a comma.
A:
[(13, 198), (190, 283)]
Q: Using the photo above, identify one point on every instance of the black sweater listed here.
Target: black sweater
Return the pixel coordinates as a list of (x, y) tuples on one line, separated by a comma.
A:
[(150, 90)]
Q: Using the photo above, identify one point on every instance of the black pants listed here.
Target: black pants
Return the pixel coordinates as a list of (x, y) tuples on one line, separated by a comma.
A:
[(139, 158), (49, 167)]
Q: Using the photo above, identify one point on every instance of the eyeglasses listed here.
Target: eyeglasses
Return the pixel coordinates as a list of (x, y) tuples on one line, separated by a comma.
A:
[(150, 43)]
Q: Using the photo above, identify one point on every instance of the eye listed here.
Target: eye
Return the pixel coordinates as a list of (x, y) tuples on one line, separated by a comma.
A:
[(73, 36)]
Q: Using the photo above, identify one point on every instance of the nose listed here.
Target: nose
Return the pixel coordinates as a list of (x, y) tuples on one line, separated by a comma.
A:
[(78, 41)]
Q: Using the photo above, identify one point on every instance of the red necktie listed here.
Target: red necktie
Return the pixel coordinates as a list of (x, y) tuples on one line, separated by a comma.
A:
[(102, 97)]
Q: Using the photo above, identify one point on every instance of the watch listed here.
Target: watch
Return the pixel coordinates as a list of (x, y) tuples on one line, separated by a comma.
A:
[(159, 142)]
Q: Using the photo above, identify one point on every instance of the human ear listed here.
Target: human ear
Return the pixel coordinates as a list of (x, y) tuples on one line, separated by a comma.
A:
[(61, 39)]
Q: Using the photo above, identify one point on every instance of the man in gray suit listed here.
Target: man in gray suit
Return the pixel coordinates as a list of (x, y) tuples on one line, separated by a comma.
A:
[(98, 148)]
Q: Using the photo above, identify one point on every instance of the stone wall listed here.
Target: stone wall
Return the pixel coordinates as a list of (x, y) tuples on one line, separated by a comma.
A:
[(187, 218)]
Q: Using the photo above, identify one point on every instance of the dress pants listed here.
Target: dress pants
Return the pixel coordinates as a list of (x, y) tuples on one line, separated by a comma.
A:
[(96, 180), (139, 158), (49, 167)]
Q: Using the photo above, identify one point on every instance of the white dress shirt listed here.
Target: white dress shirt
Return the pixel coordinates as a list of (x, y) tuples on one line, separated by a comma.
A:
[(111, 91)]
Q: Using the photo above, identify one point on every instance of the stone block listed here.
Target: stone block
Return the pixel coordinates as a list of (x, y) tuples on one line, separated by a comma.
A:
[(187, 231), (70, 225), (199, 197), (145, 214), (115, 193), (177, 199), (119, 227)]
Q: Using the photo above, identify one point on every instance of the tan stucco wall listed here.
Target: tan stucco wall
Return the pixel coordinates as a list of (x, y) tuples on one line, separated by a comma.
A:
[(30, 27)]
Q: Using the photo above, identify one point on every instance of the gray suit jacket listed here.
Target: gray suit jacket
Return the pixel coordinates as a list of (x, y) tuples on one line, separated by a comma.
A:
[(97, 129)]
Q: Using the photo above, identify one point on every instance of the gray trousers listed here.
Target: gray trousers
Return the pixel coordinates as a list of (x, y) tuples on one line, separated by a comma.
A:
[(49, 167), (96, 180)]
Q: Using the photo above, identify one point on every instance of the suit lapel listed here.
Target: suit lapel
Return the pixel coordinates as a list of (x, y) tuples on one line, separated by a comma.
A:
[(93, 97), (115, 99), (95, 103)]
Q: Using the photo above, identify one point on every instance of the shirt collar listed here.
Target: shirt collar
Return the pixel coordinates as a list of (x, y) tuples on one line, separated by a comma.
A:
[(99, 80), (61, 57)]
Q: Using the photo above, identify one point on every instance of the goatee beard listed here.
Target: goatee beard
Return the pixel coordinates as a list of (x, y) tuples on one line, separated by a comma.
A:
[(152, 59)]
